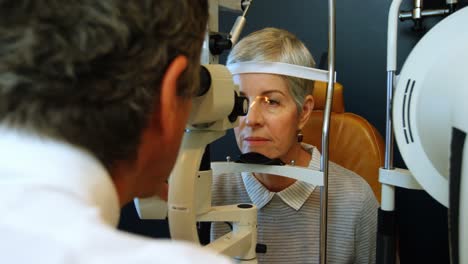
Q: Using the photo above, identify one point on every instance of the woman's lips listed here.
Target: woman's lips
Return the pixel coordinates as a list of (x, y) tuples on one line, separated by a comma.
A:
[(256, 141)]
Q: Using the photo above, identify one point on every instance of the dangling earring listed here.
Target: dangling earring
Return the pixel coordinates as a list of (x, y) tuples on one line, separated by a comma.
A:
[(300, 136)]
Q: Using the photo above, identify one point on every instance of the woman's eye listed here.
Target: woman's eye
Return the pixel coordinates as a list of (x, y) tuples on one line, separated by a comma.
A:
[(272, 102)]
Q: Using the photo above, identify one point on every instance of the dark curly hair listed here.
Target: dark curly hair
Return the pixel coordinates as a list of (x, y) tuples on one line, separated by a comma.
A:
[(88, 72)]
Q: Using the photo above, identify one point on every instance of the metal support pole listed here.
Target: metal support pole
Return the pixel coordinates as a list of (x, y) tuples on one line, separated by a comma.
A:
[(386, 235), (389, 126), (325, 132)]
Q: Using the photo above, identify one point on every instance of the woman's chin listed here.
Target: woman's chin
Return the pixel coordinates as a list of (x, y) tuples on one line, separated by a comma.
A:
[(259, 151)]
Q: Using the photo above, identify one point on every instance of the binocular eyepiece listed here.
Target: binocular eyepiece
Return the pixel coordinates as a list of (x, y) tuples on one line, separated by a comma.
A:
[(240, 103)]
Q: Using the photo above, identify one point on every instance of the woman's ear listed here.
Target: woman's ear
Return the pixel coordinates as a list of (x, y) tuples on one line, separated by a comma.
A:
[(307, 108)]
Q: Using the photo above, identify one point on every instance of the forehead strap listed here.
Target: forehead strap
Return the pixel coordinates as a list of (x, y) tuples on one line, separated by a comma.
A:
[(279, 68)]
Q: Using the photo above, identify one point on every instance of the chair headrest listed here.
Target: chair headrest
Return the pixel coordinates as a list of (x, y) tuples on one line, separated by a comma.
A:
[(320, 93)]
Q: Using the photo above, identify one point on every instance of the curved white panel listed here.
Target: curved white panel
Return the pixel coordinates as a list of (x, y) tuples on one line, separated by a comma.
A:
[(422, 103)]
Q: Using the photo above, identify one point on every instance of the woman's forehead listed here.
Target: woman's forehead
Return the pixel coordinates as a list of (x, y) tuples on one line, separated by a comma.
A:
[(261, 83)]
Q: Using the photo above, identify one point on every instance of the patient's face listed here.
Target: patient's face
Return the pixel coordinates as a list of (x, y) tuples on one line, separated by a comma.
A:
[(271, 126)]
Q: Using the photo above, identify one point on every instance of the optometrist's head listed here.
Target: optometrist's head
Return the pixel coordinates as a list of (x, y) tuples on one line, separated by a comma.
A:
[(279, 105), (113, 78)]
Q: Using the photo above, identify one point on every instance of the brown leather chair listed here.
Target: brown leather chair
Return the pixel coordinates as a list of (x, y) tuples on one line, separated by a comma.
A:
[(353, 142)]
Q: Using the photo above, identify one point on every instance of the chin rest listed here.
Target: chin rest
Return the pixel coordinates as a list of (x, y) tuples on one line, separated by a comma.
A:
[(353, 142)]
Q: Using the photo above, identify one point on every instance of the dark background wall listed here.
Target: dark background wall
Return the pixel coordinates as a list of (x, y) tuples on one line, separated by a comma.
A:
[(361, 35)]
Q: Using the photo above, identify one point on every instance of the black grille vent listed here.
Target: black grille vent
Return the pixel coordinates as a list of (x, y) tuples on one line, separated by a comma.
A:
[(406, 111)]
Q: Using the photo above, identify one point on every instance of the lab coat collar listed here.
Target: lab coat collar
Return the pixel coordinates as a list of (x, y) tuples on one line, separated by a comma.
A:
[(29, 159), (294, 196)]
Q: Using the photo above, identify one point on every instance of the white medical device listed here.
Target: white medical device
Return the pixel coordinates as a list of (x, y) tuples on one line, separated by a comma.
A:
[(458, 198), (214, 112), (429, 102), (190, 189)]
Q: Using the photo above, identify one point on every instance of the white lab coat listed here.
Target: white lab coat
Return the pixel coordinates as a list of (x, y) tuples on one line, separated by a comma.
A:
[(59, 205)]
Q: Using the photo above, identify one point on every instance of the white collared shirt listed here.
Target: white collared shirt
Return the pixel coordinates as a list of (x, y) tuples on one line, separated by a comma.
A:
[(295, 195), (58, 204), (289, 221)]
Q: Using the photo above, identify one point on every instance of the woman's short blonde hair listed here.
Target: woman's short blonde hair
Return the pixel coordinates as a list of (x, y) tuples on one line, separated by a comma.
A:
[(277, 45)]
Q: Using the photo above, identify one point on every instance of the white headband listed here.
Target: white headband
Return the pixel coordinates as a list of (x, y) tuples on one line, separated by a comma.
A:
[(279, 68)]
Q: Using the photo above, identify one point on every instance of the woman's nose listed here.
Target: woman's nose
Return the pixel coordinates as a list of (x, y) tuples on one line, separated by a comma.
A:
[(255, 116)]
